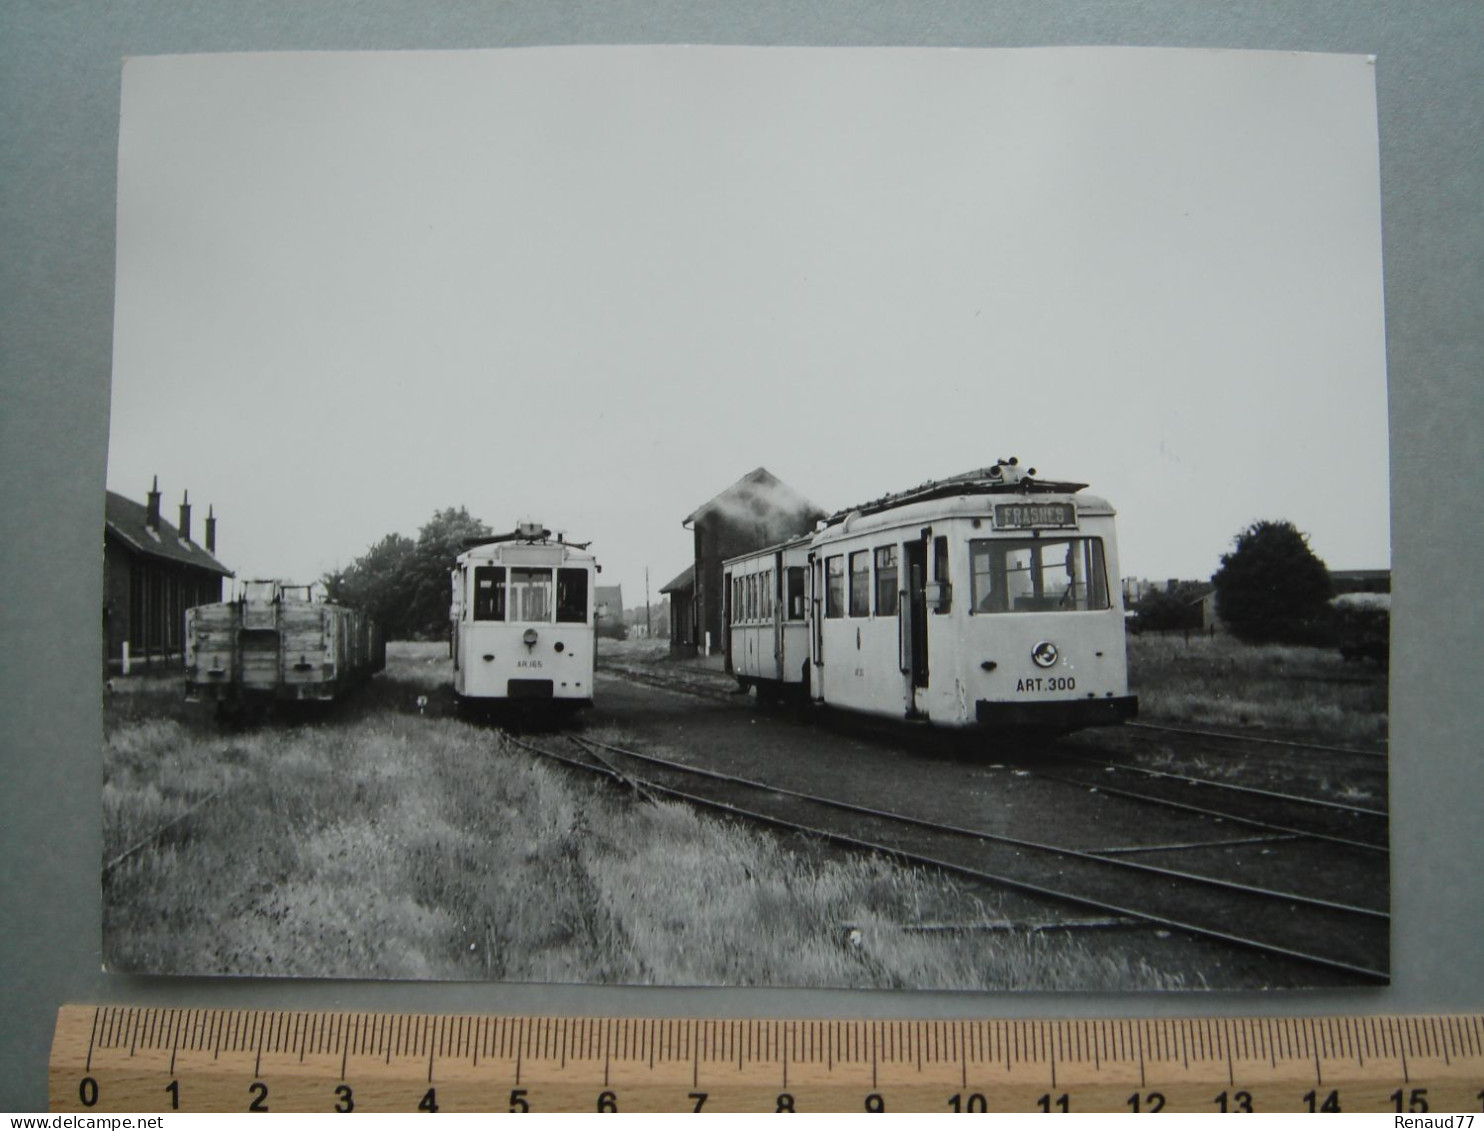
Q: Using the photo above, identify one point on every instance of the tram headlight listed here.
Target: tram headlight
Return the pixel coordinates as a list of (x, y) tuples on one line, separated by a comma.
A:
[(1045, 654)]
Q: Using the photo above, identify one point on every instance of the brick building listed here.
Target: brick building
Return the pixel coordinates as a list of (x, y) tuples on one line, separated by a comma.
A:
[(152, 573), (756, 511)]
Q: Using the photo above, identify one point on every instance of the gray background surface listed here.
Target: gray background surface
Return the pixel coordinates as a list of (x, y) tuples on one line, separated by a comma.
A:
[(59, 84)]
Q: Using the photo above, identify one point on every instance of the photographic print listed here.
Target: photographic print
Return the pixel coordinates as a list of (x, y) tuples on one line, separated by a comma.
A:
[(876, 518)]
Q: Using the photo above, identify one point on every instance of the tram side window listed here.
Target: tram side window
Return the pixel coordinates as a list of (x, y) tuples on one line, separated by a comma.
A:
[(860, 583), (767, 610), (940, 575), (1020, 575), (489, 592), (571, 596), (530, 595), (887, 597), (834, 586), (795, 593)]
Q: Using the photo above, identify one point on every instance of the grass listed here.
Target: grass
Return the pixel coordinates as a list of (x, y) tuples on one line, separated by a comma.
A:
[(379, 842), (1220, 682)]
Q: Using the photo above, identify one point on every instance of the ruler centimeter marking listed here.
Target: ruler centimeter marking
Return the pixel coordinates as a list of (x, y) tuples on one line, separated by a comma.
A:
[(120, 1059)]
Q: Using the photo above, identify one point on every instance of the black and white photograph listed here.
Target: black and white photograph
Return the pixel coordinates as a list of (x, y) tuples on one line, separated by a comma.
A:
[(874, 518)]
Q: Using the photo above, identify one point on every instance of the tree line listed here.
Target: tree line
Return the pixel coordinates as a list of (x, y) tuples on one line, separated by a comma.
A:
[(1271, 588), (404, 582)]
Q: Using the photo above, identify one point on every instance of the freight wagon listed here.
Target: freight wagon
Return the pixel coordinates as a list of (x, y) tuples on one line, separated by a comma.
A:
[(277, 643)]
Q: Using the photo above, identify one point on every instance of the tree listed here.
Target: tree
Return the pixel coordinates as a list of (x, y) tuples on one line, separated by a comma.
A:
[(425, 577), (1272, 587), (374, 582), (404, 584)]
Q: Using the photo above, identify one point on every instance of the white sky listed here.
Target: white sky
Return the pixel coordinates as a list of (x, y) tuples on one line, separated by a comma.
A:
[(595, 286)]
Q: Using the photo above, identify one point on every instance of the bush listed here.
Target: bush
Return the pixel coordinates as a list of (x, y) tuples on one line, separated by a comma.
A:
[(1272, 588), (1362, 630)]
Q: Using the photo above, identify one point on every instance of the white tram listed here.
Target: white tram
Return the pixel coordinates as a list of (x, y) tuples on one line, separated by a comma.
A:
[(986, 599), (522, 621)]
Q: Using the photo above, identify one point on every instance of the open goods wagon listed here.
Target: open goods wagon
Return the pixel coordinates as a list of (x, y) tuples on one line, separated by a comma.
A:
[(277, 643)]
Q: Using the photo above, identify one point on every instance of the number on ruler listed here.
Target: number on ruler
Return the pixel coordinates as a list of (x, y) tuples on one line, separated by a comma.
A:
[(1417, 1101), (1331, 1102), (1240, 1101)]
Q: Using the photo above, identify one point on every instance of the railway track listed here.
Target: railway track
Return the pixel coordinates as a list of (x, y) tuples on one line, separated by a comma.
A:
[(1313, 818), (1327, 933), (1253, 740)]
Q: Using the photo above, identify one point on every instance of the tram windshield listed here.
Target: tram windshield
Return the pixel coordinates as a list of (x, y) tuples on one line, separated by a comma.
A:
[(530, 595), (1045, 575), (571, 596)]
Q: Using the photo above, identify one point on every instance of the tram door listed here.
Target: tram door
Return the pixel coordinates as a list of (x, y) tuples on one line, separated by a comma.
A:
[(917, 658)]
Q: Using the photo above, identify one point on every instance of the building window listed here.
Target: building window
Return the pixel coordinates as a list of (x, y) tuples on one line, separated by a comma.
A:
[(1019, 575), (886, 581), (834, 586)]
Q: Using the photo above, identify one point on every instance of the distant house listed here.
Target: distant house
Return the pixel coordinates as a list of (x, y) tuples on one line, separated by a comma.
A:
[(1360, 581), (681, 592), (608, 606), (756, 511), (1210, 620), (152, 573)]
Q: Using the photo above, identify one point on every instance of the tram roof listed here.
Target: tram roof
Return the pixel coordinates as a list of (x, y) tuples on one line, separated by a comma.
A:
[(489, 549)]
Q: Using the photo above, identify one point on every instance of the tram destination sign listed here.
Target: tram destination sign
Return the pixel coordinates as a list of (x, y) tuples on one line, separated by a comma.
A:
[(1034, 516)]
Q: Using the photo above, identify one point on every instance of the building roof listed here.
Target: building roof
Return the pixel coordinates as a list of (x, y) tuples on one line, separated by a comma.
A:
[(686, 579), (758, 488), (127, 521)]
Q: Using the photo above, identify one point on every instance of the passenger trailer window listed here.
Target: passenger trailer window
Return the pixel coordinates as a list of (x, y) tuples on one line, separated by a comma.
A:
[(860, 583), (887, 593), (795, 592)]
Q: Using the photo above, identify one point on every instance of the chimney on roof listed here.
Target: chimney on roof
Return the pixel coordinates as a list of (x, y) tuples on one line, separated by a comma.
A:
[(185, 516), (152, 519), (210, 530)]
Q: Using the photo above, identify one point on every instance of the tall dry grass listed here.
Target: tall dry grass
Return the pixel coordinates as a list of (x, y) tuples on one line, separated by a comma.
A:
[(378, 842), (1218, 681)]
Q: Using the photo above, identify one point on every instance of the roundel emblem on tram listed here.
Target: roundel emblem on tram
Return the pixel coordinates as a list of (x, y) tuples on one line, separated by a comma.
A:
[(1045, 654)]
